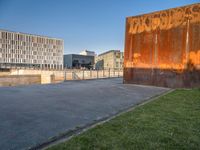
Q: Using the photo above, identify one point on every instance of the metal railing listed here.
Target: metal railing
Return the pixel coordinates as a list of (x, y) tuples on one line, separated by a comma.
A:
[(91, 74), (54, 76)]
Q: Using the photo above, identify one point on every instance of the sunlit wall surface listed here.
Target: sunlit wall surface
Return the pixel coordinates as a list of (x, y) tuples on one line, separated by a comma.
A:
[(163, 48)]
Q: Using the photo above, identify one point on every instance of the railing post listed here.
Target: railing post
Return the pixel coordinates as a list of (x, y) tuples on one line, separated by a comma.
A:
[(97, 74), (90, 74), (65, 71), (83, 75), (72, 75), (109, 72)]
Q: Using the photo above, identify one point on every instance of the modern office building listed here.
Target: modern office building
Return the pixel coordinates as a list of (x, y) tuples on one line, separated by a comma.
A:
[(163, 48), (112, 59), (75, 61), (87, 53), (27, 50)]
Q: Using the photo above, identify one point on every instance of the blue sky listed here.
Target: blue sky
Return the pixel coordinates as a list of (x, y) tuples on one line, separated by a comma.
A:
[(96, 25)]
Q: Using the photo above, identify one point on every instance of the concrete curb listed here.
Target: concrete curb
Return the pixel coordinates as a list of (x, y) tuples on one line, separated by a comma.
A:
[(65, 136), (93, 79)]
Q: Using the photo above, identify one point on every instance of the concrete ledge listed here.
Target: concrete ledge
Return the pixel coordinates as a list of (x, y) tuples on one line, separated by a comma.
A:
[(15, 80)]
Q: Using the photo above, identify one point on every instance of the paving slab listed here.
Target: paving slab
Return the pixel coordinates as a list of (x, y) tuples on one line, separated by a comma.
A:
[(30, 115)]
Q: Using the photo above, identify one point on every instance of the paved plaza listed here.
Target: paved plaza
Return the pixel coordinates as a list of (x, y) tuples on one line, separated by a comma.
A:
[(30, 115)]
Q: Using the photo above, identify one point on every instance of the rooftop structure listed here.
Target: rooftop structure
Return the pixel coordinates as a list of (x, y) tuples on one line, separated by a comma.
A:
[(87, 53)]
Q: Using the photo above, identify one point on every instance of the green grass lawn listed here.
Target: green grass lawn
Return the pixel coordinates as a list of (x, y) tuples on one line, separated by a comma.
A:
[(169, 122)]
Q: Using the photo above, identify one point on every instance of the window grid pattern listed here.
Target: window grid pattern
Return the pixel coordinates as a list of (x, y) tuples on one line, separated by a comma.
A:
[(30, 50)]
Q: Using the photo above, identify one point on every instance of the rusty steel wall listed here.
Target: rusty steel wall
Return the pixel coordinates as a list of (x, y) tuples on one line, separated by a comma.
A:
[(163, 48)]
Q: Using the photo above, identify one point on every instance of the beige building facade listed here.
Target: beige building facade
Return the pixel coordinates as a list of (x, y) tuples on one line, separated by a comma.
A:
[(30, 51), (112, 59)]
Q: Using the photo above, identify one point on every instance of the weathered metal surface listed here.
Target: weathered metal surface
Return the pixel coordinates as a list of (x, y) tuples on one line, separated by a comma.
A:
[(163, 48)]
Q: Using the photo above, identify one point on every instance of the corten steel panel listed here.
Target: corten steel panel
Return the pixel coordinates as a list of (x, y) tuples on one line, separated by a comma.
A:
[(163, 48), (194, 47)]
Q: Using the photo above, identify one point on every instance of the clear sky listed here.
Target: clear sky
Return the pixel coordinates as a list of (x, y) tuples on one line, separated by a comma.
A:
[(96, 25)]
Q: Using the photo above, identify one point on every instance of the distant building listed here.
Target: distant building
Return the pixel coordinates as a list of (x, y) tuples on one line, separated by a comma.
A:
[(75, 61), (27, 50), (87, 53), (110, 59)]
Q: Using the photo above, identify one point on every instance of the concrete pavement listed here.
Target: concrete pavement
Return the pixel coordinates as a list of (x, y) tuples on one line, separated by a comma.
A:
[(30, 115)]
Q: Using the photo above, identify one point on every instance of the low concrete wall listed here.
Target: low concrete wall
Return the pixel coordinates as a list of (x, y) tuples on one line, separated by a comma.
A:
[(46, 75), (15, 80), (4, 73), (51, 76)]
